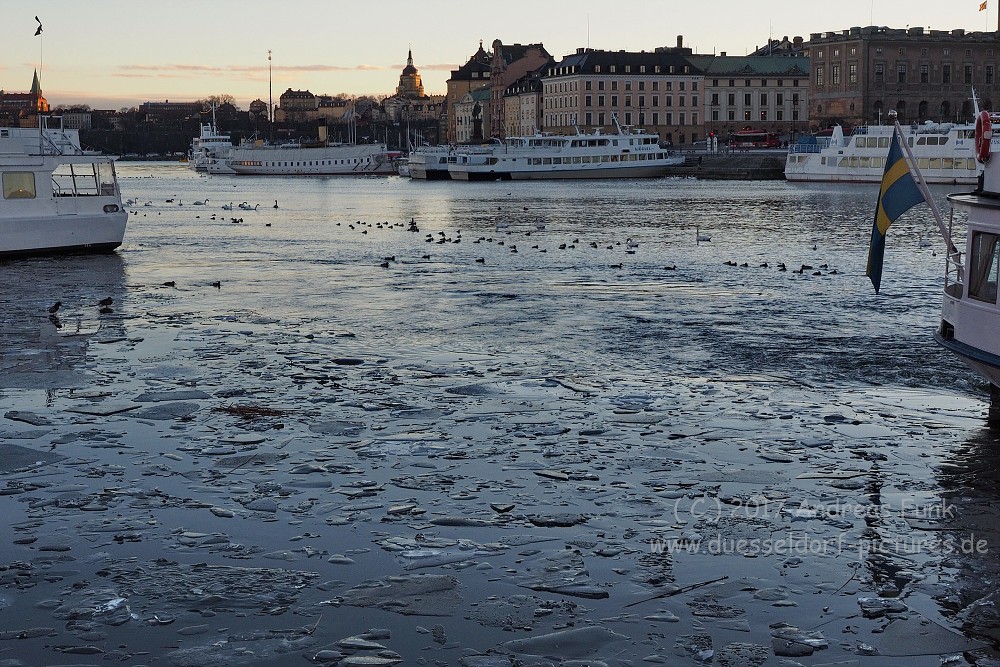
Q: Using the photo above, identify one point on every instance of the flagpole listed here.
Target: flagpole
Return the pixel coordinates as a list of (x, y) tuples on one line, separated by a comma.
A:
[(922, 185)]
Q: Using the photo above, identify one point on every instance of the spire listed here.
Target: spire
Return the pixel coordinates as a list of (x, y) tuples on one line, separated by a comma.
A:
[(36, 85), (409, 58)]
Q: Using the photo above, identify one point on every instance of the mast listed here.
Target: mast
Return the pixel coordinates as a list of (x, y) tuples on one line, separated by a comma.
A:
[(270, 100)]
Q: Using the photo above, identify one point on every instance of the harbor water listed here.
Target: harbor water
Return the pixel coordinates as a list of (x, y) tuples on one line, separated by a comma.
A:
[(545, 423)]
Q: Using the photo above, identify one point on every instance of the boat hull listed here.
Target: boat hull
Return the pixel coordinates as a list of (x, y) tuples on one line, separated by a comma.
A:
[(76, 234), (553, 174), (982, 362)]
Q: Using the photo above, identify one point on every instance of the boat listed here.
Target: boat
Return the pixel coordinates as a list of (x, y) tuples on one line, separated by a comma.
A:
[(430, 163), (944, 152), (626, 154), (402, 166), (56, 197), (211, 149), (970, 313), (313, 158)]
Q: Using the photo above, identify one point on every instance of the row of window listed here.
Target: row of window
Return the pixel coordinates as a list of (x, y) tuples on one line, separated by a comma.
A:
[(303, 163), (924, 51), (748, 115), (603, 119), (902, 74), (861, 162)]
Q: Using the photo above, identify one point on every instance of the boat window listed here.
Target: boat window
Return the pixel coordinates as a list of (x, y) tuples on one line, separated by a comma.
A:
[(922, 162), (883, 142), (935, 163), (18, 185), (985, 265), (925, 140), (948, 163)]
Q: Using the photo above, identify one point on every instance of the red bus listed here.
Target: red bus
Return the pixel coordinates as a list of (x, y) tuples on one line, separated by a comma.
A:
[(750, 138)]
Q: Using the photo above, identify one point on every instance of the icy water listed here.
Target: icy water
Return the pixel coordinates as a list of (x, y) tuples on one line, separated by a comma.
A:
[(549, 427)]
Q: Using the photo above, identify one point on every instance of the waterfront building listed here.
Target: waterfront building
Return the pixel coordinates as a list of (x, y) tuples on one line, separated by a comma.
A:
[(523, 106), (22, 109), (763, 92), (471, 114), (860, 74), (156, 113), (660, 91), (473, 75), (411, 107), (510, 62)]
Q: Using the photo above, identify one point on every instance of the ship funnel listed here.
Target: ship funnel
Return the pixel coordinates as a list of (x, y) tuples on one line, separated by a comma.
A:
[(323, 136)]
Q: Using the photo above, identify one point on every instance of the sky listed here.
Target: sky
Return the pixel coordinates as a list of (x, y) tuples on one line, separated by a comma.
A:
[(115, 54)]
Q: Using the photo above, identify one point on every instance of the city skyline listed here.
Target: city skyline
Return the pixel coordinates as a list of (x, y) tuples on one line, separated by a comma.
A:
[(193, 50)]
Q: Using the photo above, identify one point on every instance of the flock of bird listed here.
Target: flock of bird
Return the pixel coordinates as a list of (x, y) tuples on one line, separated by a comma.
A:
[(103, 307)]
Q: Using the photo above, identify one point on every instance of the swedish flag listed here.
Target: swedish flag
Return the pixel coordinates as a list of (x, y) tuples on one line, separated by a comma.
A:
[(898, 194)]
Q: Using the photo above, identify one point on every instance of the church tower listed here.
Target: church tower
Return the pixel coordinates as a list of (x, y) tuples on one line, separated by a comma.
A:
[(410, 84)]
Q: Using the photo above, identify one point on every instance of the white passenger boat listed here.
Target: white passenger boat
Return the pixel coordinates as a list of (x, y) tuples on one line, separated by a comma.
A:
[(945, 153), (56, 197), (970, 312), (430, 163), (626, 154), (317, 158), (211, 149)]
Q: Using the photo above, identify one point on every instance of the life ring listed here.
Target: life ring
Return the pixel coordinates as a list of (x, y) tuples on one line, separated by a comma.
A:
[(984, 136)]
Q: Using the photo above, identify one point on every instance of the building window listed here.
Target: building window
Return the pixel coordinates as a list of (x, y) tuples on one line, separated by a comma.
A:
[(628, 68), (746, 82), (628, 115), (852, 73), (614, 100), (642, 84), (795, 114), (835, 75), (694, 85), (715, 99), (715, 115), (656, 100), (779, 115), (668, 118), (779, 99), (746, 115), (656, 69), (731, 100), (628, 100), (968, 53), (670, 100), (681, 117), (836, 53), (715, 83), (732, 115), (854, 50), (819, 54), (819, 76), (694, 100), (588, 118), (586, 85), (968, 74), (656, 85), (946, 52), (901, 73), (600, 85), (732, 83), (600, 118), (763, 115), (628, 84), (945, 73), (763, 99), (746, 99), (923, 52), (597, 69), (642, 101), (680, 85), (642, 118), (781, 82), (694, 118), (586, 101), (656, 118), (925, 73), (669, 85), (600, 100), (642, 69), (989, 74), (878, 51), (611, 68), (902, 50), (879, 73)]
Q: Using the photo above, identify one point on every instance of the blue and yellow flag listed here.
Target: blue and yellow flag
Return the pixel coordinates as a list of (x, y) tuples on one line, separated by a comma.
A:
[(898, 194)]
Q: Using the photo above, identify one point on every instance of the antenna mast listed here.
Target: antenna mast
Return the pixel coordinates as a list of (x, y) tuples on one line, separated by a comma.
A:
[(270, 99)]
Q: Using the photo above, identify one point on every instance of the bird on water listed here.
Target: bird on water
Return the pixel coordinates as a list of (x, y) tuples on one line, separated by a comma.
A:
[(55, 307)]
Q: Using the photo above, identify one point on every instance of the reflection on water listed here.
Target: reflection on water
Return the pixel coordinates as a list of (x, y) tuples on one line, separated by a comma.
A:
[(969, 478), (44, 349)]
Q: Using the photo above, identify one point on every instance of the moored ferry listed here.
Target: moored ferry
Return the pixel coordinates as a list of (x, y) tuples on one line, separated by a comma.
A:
[(626, 154), (945, 153), (970, 312), (430, 163), (318, 158), (210, 149)]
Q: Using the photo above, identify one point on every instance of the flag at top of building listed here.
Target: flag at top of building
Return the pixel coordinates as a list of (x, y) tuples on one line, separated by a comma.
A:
[(899, 193)]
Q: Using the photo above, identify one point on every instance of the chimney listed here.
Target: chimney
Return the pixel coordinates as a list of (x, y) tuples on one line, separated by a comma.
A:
[(680, 41), (322, 131)]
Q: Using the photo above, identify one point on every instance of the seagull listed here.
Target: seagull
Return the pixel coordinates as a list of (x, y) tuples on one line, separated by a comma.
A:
[(55, 307)]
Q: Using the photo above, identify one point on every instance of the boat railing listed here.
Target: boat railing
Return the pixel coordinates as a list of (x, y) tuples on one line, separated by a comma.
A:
[(954, 267)]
